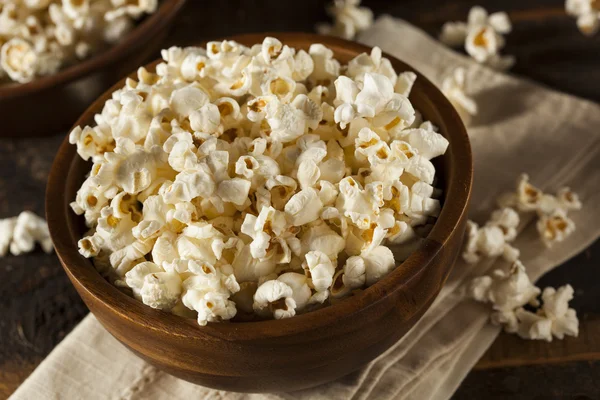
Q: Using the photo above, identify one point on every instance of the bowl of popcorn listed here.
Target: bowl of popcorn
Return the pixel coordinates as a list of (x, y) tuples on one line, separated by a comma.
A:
[(264, 213), (68, 53)]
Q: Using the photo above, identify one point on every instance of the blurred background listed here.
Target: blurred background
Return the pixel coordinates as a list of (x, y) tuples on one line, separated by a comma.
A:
[(38, 305)]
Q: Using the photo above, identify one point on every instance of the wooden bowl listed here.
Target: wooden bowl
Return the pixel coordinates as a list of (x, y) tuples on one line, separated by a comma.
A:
[(294, 353), (49, 105)]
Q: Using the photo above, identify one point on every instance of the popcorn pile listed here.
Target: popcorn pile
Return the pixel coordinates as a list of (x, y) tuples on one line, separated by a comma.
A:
[(258, 181), (510, 292), (38, 37), (553, 223), (587, 13), (20, 234), (482, 37), (349, 19)]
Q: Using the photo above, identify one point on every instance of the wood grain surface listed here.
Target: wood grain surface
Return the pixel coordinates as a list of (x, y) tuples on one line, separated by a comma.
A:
[(38, 305)]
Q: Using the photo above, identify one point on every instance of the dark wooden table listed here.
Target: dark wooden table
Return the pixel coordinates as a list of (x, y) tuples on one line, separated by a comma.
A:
[(38, 306)]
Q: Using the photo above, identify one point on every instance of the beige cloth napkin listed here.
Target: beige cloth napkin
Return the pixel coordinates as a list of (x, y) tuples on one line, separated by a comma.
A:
[(522, 127)]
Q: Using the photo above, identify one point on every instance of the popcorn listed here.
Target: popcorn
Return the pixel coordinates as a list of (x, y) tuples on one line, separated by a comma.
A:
[(38, 37), (319, 268), (553, 223), (154, 286), (508, 293), (555, 227), (276, 298), (349, 18), (453, 86), (587, 13), (481, 36), (236, 182), (20, 234), (492, 240)]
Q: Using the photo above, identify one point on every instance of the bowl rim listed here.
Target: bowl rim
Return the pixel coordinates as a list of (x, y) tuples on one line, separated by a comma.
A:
[(134, 40), (98, 289)]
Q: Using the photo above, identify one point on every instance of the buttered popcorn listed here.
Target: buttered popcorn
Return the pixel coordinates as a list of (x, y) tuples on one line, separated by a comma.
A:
[(265, 181), (38, 37)]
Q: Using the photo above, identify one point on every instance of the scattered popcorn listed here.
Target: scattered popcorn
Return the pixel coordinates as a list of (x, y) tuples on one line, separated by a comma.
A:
[(587, 13), (350, 19), (492, 239), (454, 87), (510, 292), (482, 37), (37, 38), (257, 182), (20, 234), (553, 222)]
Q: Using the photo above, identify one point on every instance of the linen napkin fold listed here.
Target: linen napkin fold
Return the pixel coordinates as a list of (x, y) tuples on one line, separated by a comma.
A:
[(522, 127)]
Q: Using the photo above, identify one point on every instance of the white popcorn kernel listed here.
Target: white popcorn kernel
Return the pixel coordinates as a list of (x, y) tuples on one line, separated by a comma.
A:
[(90, 246), (326, 68), (532, 326), (301, 292), (528, 196), (587, 14), (190, 184), (304, 207), (234, 190), (28, 230), (155, 287), (319, 269), (308, 174), (354, 272), (276, 298), (568, 199), (405, 82), (507, 291), (349, 19), (428, 144), (378, 263), (19, 60), (556, 308), (555, 227), (205, 119), (454, 87), (506, 219)]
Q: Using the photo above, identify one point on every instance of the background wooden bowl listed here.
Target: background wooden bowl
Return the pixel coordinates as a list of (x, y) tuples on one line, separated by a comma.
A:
[(50, 104), (278, 355)]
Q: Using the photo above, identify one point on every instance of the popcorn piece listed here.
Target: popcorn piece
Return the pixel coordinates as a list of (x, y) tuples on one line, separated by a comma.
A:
[(481, 35), (378, 263), (20, 234), (155, 287), (454, 88), (276, 298), (349, 19), (320, 270), (301, 292), (354, 272), (587, 13), (555, 227), (556, 308), (506, 291)]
